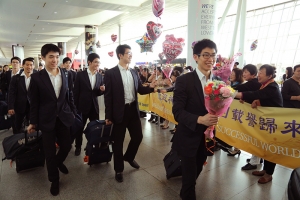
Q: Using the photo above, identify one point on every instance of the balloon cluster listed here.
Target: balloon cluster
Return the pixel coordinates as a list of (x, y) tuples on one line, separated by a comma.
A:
[(158, 7), (145, 43), (172, 47)]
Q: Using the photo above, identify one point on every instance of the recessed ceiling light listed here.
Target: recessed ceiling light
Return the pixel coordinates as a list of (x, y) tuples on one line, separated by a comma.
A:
[(55, 12), (43, 28), (127, 12), (119, 8), (67, 1)]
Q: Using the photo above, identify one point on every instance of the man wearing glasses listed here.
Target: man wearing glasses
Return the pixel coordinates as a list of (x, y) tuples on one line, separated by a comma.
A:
[(121, 109), (192, 117)]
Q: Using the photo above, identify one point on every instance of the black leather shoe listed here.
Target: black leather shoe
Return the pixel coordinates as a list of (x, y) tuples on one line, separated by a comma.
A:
[(77, 151), (54, 189), (261, 160), (248, 166), (119, 177), (134, 164), (63, 169)]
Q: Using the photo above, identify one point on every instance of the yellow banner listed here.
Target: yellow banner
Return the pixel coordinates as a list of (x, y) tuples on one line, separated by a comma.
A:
[(270, 133), (144, 102), (162, 104)]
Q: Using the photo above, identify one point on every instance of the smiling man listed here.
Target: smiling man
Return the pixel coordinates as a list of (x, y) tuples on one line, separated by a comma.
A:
[(192, 117)]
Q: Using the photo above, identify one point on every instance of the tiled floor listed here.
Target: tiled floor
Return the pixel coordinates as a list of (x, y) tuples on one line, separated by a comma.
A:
[(221, 178)]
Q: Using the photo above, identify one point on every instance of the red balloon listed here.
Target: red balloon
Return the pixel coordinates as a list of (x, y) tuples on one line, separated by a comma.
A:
[(172, 47), (114, 37), (161, 56), (111, 53), (154, 30)]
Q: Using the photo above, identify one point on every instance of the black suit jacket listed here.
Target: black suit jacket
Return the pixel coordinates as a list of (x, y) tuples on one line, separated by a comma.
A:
[(74, 74), (252, 85), (114, 93), (17, 94), (84, 96), (188, 105), (45, 107), (6, 80)]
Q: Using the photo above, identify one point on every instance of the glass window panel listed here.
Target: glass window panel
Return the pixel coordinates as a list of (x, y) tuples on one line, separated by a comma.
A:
[(275, 55), (292, 42), (282, 30), (260, 45), (290, 4), (276, 17), (254, 33), (295, 27), (263, 32), (279, 7), (273, 30), (287, 14), (249, 21), (266, 57), (296, 13), (266, 19), (297, 58), (259, 12), (287, 58), (278, 43), (267, 10), (258, 21), (250, 14), (269, 46)]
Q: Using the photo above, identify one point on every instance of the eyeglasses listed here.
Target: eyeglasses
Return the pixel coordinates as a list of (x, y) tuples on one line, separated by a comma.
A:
[(129, 53), (207, 56)]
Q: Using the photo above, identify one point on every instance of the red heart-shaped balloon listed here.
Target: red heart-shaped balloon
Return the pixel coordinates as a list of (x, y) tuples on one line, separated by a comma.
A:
[(154, 30), (161, 56), (172, 47), (114, 37), (111, 53)]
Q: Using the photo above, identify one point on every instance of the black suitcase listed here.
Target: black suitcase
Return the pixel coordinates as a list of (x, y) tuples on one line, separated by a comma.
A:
[(294, 185), (98, 136), (5, 120), (172, 164)]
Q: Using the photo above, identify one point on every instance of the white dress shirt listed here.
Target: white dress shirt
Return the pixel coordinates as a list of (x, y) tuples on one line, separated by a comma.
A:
[(27, 80), (128, 84), (56, 82), (15, 73), (92, 78), (202, 78)]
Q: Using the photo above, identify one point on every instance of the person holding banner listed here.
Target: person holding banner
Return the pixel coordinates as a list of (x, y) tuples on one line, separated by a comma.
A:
[(192, 117), (291, 90), (268, 95)]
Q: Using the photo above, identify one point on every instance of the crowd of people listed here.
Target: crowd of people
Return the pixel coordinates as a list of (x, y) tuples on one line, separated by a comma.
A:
[(48, 99)]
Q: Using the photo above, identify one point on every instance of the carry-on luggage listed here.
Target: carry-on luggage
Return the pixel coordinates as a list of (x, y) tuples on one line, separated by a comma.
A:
[(294, 185), (5, 120), (172, 164), (26, 150), (98, 149), (77, 127)]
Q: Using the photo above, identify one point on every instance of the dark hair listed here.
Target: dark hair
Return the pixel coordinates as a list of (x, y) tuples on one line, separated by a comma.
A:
[(41, 65), (159, 69), (236, 63), (66, 59), (48, 48), (202, 44), (15, 58), (121, 49), (238, 75), (5, 66), (180, 69), (146, 70), (30, 59), (189, 68), (295, 67), (270, 70), (92, 57), (290, 72), (251, 68), (175, 73)]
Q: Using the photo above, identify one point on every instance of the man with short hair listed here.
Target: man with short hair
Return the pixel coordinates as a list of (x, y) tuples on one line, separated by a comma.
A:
[(121, 109), (67, 63), (15, 62), (52, 111), (41, 66), (87, 87), (18, 101), (192, 117)]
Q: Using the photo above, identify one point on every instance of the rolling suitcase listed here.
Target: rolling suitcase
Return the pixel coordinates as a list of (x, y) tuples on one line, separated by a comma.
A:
[(98, 136), (5, 120), (172, 164)]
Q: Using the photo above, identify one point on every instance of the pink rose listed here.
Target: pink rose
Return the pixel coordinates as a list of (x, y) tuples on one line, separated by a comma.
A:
[(225, 91)]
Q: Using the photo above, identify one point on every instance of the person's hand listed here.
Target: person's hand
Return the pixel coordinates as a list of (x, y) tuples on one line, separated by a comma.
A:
[(153, 84), (228, 83), (241, 101), (168, 82), (108, 122), (102, 88), (255, 103), (163, 91), (208, 120), (30, 128), (298, 98), (11, 112)]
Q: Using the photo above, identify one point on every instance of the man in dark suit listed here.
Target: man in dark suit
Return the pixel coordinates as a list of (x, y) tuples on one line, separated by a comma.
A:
[(121, 109), (88, 86), (52, 111), (18, 101), (192, 117), (67, 62)]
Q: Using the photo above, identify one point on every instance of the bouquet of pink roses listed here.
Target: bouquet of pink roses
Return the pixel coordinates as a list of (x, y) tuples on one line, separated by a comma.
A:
[(218, 98), (224, 67)]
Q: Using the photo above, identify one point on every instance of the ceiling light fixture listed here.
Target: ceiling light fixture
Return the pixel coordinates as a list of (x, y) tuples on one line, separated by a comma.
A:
[(67, 1), (55, 12), (43, 29), (119, 8)]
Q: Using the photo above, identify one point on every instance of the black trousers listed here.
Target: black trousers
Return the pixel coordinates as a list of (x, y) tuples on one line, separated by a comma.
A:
[(61, 135), (132, 122), (92, 115), (191, 169), (18, 120), (269, 167)]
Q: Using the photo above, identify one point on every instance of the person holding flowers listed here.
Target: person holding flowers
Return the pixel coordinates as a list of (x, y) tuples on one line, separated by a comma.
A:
[(268, 95), (192, 117)]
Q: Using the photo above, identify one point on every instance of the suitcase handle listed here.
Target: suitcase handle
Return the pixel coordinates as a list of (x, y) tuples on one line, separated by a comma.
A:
[(26, 133)]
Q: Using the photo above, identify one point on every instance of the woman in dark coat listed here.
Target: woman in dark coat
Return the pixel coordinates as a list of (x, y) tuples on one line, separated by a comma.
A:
[(268, 95)]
